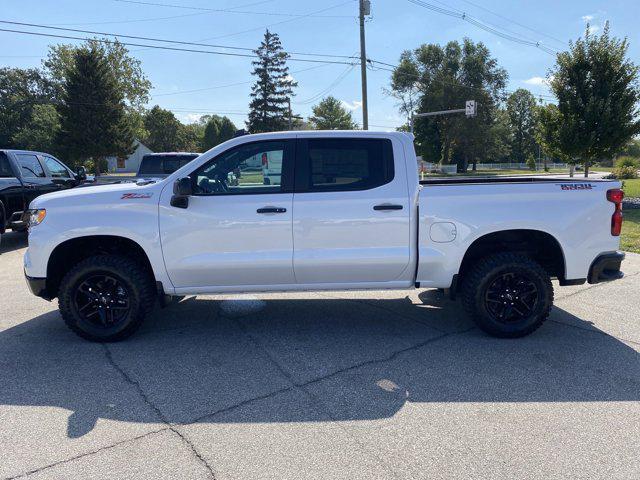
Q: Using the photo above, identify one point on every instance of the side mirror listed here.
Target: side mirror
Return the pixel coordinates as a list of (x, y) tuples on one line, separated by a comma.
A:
[(81, 175), (182, 189)]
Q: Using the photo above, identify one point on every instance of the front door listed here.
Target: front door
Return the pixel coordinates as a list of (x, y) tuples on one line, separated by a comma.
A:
[(59, 174), (34, 178), (236, 229), (351, 212)]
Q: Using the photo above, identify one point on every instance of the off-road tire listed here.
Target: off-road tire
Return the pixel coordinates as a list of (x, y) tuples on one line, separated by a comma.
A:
[(138, 283), (484, 272)]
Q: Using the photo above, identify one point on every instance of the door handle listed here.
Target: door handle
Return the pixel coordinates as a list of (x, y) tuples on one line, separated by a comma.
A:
[(387, 206), (271, 210)]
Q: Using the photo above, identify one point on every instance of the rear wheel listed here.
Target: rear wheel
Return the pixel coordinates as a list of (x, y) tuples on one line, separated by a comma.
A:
[(106, 297), (509, 295)]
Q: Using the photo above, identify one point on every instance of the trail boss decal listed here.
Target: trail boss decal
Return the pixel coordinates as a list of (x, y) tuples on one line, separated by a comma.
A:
[(135, 196), (576, 186)]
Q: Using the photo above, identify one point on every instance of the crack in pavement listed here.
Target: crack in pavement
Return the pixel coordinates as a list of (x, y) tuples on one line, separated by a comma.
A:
[(86, 454), (294, 385), (311, 396), (158, 412)]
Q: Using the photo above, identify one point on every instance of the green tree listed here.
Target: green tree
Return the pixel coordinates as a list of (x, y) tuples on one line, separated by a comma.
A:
[(20, 91), (272, 92), (435, 77), (499, 144), (163, 130), (92, 113), (329, 114), (521, 109), (129, 76), (41, 131), (597, 90), (218, 130)]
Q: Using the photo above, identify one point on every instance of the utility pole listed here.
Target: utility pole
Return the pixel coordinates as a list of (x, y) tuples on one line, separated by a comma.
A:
[(365, 9), (290, 117)]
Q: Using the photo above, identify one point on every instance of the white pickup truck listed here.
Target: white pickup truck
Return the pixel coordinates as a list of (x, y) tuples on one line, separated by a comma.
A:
[(347, 211)]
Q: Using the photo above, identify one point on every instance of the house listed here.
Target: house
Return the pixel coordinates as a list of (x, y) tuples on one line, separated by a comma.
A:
[(128, 164)]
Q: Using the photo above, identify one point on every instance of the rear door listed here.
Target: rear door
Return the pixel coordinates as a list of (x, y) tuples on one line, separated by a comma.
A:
[(34, 177), (236, 230), (351, 215), (11, 191)]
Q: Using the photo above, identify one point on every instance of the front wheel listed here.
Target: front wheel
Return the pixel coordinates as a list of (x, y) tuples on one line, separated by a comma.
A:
[(509, 295), (106, 297)]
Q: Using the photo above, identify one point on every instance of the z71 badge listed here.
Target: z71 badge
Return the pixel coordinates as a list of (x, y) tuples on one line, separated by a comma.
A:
[(576, 186), (135, 196)]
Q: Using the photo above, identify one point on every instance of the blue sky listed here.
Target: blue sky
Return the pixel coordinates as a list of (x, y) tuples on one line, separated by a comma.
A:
[(395, 25)]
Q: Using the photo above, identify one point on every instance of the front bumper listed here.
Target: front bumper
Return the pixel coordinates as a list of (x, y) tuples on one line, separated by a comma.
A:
[(606, 268), (38, 286)]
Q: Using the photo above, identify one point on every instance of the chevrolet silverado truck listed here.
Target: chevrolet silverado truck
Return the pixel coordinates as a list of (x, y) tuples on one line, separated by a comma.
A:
[(24, 175), (346, 211)]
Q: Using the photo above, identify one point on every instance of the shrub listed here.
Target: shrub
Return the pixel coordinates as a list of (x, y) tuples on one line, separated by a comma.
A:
[(625, 173), (531, 162), (627, 161)]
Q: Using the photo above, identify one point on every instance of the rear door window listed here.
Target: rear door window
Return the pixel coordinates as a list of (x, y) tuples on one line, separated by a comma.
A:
[(30, 165), (5, 166), (342, 164)]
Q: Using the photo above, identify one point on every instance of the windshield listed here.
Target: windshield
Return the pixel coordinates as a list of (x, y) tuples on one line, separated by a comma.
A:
[(163, 164)]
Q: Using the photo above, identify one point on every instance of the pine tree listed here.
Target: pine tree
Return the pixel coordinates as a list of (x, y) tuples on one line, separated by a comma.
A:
[(273, 89), (92, 115)]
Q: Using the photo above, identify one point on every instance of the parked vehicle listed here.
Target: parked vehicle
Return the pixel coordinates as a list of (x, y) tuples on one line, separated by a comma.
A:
[(25, 175), (161, 165), (348, 213)]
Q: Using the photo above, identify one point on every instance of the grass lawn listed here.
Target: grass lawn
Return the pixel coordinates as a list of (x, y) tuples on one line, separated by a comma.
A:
[(630, 238), (631, 188)]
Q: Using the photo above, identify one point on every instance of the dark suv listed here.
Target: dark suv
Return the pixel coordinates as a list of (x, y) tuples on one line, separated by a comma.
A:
[(25, 175)]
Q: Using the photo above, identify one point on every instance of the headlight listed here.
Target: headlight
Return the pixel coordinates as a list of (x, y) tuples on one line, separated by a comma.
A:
[(36, 217)]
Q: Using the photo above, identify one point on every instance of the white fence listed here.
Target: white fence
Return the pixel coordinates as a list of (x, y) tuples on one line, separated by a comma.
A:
[(431, 167)]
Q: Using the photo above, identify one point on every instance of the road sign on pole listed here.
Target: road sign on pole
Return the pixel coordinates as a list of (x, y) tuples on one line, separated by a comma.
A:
[(470, 108)]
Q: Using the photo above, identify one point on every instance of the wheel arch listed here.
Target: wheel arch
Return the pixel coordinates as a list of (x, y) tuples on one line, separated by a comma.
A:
[(70, 252), (541, 246)]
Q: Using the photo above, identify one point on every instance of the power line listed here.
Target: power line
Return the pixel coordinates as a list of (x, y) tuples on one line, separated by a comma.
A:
[(215, 87), (310, 14), (478, 23), (175, 49), (331, 86), (233, 10), (563, 42), (160, 40), (442, 82), (155, 18)]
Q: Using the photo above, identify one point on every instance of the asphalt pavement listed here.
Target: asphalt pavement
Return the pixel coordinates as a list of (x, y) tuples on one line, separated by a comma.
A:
[(335, 385)]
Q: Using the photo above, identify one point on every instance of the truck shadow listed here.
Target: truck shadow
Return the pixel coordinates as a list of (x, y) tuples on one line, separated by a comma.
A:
[(266, 359), (12, 241)]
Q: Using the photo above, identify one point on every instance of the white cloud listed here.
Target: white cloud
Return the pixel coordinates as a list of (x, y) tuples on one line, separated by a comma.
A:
[(354, 105), (188, 117), (537, 81), (588, 18), (594, 28)]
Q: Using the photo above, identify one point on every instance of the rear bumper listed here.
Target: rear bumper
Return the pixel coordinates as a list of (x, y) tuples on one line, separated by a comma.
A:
[(38, 286), (606, 268)]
